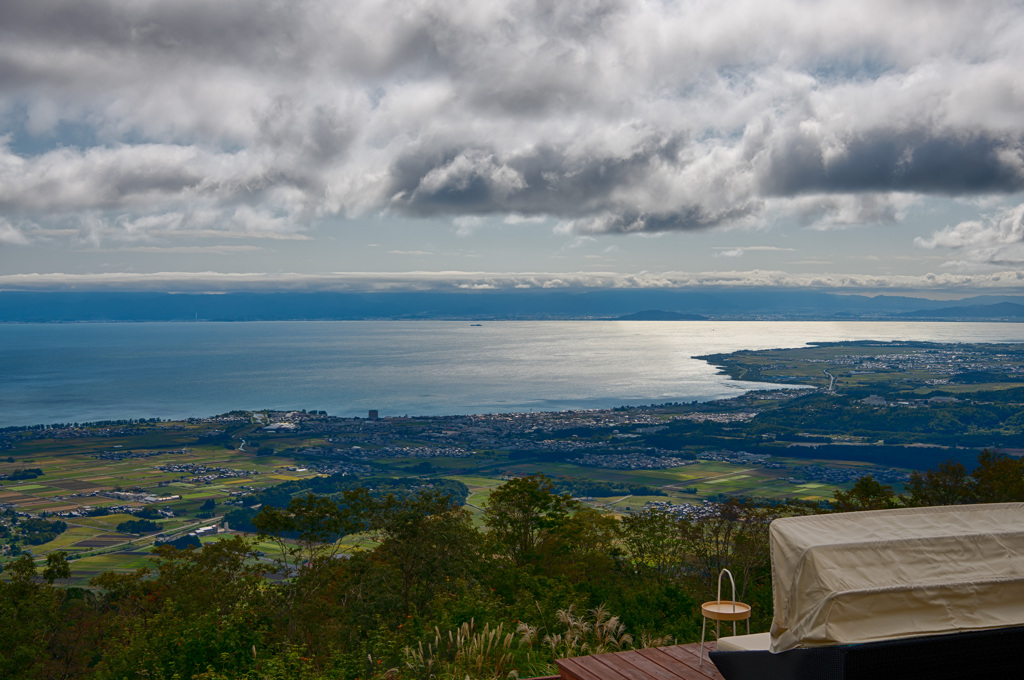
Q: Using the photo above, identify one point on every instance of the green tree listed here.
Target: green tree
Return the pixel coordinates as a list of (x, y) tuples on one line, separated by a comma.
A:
[(522, 512), (867, 493), (734, 538), (998, 478), (202, 608), (653, 541), (583, 547), (311, 526), (307, 534), (47, 632), (428, 542), (138, 526), (948, 484), (57, 567)]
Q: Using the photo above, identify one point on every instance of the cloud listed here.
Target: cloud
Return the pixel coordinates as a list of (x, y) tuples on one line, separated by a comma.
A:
[(733, 251), (515, 218), (11, 235), (997, 240), (465, 225), (1009, 281), (915, 159), (603, 116), (836, 211), (190, 250)]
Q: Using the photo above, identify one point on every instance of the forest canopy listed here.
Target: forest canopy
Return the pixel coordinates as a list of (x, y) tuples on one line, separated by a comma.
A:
[(433, 595)]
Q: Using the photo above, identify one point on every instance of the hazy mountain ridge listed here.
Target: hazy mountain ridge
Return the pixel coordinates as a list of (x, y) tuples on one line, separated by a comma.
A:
[(1000, 310), (42, 307), (660, 315)]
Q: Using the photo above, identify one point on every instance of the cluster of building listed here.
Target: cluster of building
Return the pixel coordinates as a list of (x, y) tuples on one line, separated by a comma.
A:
[(409, 452), (118, 453), (203, 474), (703, 510), (139, 496), (938, 360), (739, 458), (876, 400), (341, 468), (632, 461), (720, 417), (835, 475)]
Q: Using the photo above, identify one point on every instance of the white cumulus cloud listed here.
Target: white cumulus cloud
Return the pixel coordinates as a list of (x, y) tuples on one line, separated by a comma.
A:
[(998, 240), (256, 116)]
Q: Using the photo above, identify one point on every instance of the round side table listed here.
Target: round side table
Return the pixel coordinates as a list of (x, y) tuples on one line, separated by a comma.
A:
[(722, 610)]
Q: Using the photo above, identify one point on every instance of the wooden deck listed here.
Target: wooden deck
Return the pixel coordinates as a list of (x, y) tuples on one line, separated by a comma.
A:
[(678, 662)]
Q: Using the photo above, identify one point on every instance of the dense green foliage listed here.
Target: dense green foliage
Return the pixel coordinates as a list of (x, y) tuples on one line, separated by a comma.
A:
[(138, 526), (541, 580), (25, 473), (577, 487), (281, 495), (432, 597), (182, 542), (997, 478), (147, 512), (34, 531)]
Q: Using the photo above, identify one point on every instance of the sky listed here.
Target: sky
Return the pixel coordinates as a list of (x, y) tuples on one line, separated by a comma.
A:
[(871, 146)]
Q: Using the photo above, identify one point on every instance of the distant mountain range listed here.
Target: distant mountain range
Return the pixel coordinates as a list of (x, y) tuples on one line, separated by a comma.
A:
[(659, 315), (661, 304), (1002, 311)]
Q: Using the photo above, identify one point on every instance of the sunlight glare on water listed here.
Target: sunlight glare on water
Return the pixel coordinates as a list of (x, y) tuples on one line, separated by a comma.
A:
[(85, 372)]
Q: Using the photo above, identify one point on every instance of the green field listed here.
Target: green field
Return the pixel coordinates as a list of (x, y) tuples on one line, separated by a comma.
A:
[(96, 545), (86, 472), (73, 479)]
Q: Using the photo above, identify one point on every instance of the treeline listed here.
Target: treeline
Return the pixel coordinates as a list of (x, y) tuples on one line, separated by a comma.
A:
[(579, 487), (280, 495), (543, 578), (431, 596), (935, 423), (24, 473), (31, 531), (988, 420), (95, 423), (138, 526)]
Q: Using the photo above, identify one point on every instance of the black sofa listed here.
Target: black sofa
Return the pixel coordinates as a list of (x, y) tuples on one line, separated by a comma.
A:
[(996, 654)]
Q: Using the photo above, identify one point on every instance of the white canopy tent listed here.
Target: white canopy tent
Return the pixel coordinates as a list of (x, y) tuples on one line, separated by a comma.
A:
[(859, 577)]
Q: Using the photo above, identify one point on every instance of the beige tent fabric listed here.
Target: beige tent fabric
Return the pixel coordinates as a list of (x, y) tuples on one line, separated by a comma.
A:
[(858, 577)]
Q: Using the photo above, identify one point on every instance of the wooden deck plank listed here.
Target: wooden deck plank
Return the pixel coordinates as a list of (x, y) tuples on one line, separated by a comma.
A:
[(678, 662), (689, 656), (581, 668), (616, 664), (686, 656), (642, 666)]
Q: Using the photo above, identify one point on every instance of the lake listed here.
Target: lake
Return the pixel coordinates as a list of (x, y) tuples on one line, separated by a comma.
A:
[(52, 373)]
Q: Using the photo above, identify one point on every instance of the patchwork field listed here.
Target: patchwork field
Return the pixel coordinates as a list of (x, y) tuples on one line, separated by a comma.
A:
[(77, 478), (86, 476)]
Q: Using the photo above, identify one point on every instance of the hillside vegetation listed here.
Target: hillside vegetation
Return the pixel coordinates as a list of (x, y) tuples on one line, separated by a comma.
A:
[(431, 595)]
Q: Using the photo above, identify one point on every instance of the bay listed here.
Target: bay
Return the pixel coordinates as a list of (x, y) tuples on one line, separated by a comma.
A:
[(58, 373)]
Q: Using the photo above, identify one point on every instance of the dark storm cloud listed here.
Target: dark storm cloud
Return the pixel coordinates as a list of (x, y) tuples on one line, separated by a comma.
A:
[(897, 160), (607, 115), (545, 179)]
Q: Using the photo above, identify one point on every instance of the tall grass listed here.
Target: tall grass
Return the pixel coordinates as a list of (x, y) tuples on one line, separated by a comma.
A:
[(492, 653)]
